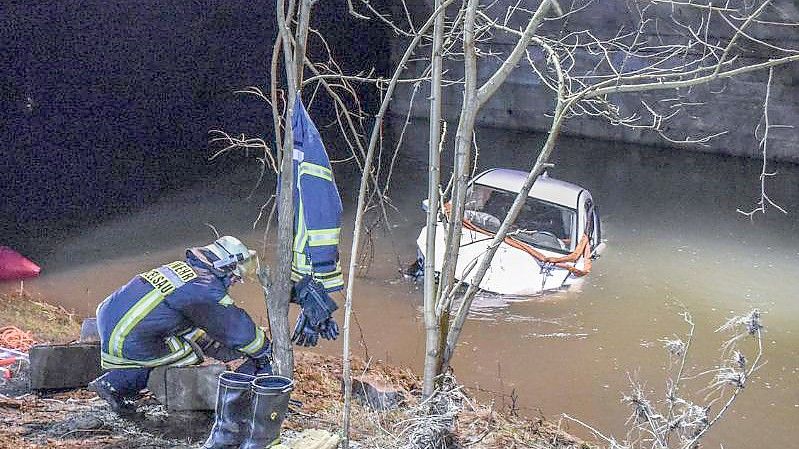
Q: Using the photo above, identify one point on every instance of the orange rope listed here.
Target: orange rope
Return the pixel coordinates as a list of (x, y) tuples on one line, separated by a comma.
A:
[(14, 338), (583, 249)]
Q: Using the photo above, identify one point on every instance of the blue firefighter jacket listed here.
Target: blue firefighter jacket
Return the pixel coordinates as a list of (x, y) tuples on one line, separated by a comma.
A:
[(149, 321), (317, 207)]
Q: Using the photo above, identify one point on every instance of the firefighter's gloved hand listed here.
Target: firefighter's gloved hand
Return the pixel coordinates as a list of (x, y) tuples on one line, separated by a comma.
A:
[(256, 367), (305, 334), (317, 306), (329, 329), (216, 350)]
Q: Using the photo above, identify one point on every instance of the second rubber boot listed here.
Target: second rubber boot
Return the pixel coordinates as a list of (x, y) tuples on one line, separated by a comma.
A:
[(232, 411), (269, 406)]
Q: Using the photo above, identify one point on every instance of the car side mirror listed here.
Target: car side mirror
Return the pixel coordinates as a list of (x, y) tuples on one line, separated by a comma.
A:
[(599, 250), (425, 204)]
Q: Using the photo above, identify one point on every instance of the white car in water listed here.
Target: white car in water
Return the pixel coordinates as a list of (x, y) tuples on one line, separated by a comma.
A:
[(550, 246)]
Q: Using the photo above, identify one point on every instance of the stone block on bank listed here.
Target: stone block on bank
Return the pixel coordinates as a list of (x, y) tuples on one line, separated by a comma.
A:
[(187, 387), (64, 366), (375, 393), (88, 331)]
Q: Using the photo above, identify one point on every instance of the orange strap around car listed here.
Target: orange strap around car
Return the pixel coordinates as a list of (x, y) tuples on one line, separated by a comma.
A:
[(583, 248)]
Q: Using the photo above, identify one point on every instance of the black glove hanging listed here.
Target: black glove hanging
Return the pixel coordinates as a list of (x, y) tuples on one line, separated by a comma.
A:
[(316, 316), (329, 329)]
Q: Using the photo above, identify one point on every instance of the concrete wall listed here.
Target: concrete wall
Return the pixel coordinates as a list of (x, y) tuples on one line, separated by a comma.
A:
[(732, 105)]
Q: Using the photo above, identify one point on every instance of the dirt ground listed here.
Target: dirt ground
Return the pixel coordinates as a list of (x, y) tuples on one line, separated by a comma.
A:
[(79, 419), (45, 322)]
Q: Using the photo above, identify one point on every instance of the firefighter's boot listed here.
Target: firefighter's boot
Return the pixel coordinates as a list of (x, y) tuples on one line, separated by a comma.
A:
[(232, 411), (120, 387), (269, 406), (119, 404)]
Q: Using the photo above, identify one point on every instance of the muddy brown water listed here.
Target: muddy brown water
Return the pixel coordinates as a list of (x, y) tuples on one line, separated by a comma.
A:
[(674, 239)]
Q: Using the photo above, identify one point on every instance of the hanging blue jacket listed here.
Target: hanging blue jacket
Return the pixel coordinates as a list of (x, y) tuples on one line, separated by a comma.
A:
[(150, 320), (317, 207)]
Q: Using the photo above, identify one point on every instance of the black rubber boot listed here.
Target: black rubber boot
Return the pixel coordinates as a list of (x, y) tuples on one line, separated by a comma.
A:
[(120, 404), (269, 406), (232, 411)]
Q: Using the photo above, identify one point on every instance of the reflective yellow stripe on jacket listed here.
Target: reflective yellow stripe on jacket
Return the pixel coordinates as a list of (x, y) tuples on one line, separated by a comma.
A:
[(182, 355), (164, 280), (256, 344), (303, 237), (323, 237), (314, 170)]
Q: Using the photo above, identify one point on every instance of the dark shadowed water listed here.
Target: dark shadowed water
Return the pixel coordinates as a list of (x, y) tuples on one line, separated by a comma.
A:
[(674, 239)]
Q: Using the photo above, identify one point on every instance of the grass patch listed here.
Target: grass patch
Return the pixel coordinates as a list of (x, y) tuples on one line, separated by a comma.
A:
[(46, 322)]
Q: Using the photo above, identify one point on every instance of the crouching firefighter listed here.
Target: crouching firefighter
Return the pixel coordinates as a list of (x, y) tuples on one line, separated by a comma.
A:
[(175, 314)]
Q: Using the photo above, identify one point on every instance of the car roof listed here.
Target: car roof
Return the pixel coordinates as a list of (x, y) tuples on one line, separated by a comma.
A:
[(544, 188)]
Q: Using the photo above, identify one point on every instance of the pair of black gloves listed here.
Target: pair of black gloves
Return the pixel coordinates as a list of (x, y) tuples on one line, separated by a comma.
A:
[(315, 319)]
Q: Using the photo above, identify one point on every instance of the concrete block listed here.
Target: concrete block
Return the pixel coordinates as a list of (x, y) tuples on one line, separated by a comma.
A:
[(187, 387), (89, 331), (64, 366), (376, 393)]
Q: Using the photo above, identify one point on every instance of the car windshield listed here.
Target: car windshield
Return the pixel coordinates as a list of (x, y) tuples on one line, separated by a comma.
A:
[(539, 223)]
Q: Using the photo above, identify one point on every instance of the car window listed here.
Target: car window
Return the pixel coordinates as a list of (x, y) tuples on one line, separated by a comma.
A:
[(539, 223)]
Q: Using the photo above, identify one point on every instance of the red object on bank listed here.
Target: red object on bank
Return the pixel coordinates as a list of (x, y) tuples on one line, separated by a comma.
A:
[(15, 266)]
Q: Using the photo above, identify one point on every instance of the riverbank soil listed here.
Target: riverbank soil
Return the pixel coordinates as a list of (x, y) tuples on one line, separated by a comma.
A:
[(45, 322), (79, 419)]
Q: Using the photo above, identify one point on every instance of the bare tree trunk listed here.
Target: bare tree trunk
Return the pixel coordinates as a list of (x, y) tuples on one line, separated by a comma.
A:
[(432, 325), (278, 302), (463, 142), (518, 203), (273, 91), (300, 41), (484, 93), (473, 100), (359, 212)]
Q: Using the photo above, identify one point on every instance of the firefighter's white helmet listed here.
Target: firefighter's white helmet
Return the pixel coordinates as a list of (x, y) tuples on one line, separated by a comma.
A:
[(233, 256)]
